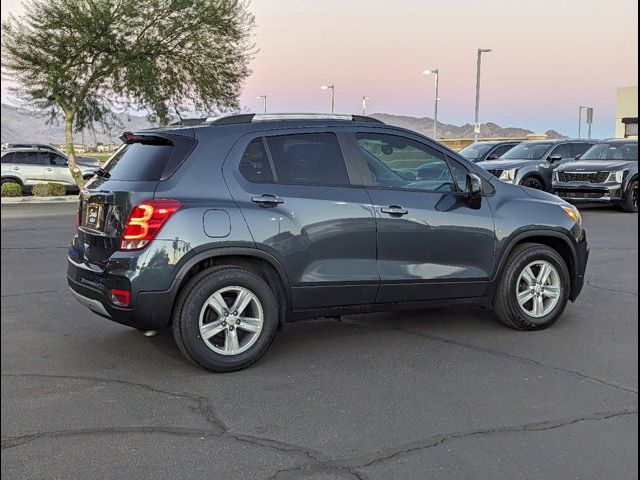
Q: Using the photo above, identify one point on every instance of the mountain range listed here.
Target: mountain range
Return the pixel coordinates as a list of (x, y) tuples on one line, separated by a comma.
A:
[(19, 125)]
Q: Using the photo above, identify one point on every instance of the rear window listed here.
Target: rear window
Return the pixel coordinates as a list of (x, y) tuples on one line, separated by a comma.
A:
[(138, 162), (7, 158)]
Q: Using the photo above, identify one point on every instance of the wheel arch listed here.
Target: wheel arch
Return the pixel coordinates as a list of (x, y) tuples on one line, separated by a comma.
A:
[(263, 264), (558, 241), (18, 180), (537, 176)]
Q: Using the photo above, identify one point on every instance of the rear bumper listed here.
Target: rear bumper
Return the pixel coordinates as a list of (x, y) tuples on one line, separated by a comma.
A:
[(149, 311), (589, 192)]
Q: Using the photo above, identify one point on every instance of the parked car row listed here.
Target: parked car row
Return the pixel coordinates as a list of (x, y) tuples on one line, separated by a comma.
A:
[(575, 170), (80, 160), (29, 166)]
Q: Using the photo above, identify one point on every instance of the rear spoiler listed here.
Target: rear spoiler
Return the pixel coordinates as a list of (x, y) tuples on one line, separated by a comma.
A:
[(130, 137)]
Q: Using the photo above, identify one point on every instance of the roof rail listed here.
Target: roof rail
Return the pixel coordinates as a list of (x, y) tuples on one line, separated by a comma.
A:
[(263, 117)]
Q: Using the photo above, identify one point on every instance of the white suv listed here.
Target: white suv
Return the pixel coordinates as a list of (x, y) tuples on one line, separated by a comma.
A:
[(30, 166)]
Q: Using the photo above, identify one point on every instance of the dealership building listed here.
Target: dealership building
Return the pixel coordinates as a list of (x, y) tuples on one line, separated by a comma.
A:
[(627, 112)]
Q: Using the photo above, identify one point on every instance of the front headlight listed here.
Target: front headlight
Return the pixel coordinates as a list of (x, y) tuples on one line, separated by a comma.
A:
[(572, 212), (509, 175), (616, 177)]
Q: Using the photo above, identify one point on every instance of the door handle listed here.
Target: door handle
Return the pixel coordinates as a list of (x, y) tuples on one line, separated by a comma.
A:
[(267, 199), (49, 169), (394, 210), (16, 168)]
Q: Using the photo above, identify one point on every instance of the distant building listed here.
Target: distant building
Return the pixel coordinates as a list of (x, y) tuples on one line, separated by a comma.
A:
[(627, 112)]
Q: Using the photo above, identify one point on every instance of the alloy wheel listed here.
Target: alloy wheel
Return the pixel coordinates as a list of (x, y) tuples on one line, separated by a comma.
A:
[(231, 320), (538, 288)]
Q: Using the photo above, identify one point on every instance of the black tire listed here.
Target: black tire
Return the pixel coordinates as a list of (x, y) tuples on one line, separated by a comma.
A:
[(631, 198), (533, 182), (505, 302), (186, 318), (10, 180)]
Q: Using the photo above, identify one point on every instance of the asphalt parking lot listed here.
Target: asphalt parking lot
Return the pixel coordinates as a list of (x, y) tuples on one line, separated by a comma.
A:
[(446, 394)]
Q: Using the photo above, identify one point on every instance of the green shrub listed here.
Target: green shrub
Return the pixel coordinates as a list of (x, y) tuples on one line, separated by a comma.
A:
[(11, 189), (49, 190)]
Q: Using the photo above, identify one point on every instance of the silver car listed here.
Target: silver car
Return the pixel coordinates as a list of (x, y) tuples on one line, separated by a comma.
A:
[(30, 166)]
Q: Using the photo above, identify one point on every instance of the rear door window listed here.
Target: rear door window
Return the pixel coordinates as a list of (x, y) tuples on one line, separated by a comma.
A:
[(138, 162), (310, 158), (27, 158), (254, 165)]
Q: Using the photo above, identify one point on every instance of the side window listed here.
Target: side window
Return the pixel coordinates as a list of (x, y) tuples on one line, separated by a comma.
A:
[(254, 165), (459, 174), (580, 148), (502, 149), (8, 158), (57, 160), (27, 158), (310, 158), (400, 162), (563, 150)]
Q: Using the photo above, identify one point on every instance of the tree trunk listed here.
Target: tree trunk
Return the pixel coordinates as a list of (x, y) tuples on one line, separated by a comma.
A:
[(71, 153)]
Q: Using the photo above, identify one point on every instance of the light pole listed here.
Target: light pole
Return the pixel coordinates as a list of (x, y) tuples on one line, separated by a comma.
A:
[(333, 94), (436, 100), (264, 102), (476, 126), (364, 105), (589, 119)]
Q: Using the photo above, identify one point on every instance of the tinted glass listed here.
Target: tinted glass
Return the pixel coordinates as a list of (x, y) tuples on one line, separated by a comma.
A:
[(528, 151), (563, 150), (612, 151), (7, 158), (400, 162), (580, 148), (137, 161), (313, 158), (27, 158), (502, 149), (475, 150), (459, 174), (254, 165), (49, 158)]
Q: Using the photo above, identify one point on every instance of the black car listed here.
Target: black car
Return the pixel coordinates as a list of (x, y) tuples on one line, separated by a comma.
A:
[(80, 160), (531, 163), (225, 230), (606, 173), (489, 150)]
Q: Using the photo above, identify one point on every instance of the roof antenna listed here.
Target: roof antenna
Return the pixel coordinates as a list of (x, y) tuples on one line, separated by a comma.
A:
[(178, 113)]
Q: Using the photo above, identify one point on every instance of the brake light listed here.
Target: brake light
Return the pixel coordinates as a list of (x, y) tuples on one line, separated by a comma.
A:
[(145, 221), (120, 297)]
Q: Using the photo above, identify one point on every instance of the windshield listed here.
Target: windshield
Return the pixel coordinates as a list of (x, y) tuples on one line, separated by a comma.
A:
[(527, 151), (612, 151), (475, 150)]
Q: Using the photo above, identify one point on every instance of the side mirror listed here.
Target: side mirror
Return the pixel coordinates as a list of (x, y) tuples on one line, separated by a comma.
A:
[(555, 158), (473, 189), (578, 156), (493, 156)]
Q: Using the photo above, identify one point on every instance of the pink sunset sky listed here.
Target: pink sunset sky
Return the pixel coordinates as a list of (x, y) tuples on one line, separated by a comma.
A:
[(549, 57)]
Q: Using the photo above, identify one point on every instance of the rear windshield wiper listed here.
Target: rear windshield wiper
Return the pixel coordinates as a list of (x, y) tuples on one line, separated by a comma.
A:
[(101, 172)]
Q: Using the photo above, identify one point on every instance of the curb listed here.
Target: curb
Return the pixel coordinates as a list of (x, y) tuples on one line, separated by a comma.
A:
[(29, 200)]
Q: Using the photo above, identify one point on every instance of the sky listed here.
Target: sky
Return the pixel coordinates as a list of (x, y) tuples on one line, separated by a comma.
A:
[(549, 57)]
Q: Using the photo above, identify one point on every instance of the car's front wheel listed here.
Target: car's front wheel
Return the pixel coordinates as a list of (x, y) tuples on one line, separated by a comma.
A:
[(225, 319), (631, 198), (534, 288), (533, 182)]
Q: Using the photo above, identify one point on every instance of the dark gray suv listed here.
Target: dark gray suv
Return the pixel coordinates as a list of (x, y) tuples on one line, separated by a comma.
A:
[(531, 163), (224, 231)]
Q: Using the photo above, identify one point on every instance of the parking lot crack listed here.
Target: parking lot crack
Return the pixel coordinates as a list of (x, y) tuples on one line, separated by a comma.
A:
[(525, 360), (438, 440), (598, 287), (203, 405)]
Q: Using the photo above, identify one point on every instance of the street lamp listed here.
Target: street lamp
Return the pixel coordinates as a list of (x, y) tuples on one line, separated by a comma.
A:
[(436, 100), (333, 94), (264, 102), (476, 126), (364, 105), (589, 119)]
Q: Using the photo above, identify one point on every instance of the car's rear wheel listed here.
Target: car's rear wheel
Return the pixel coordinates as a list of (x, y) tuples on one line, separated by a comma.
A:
[(225, 319), (534, 288), (631, 198), (533, 182)]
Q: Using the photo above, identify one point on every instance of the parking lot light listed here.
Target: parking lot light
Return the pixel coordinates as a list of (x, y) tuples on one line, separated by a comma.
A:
[(333, 94), (476, 125), (436, 100)]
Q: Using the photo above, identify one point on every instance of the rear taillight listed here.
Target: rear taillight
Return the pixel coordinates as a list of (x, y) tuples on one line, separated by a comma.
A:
[(145, 221)]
